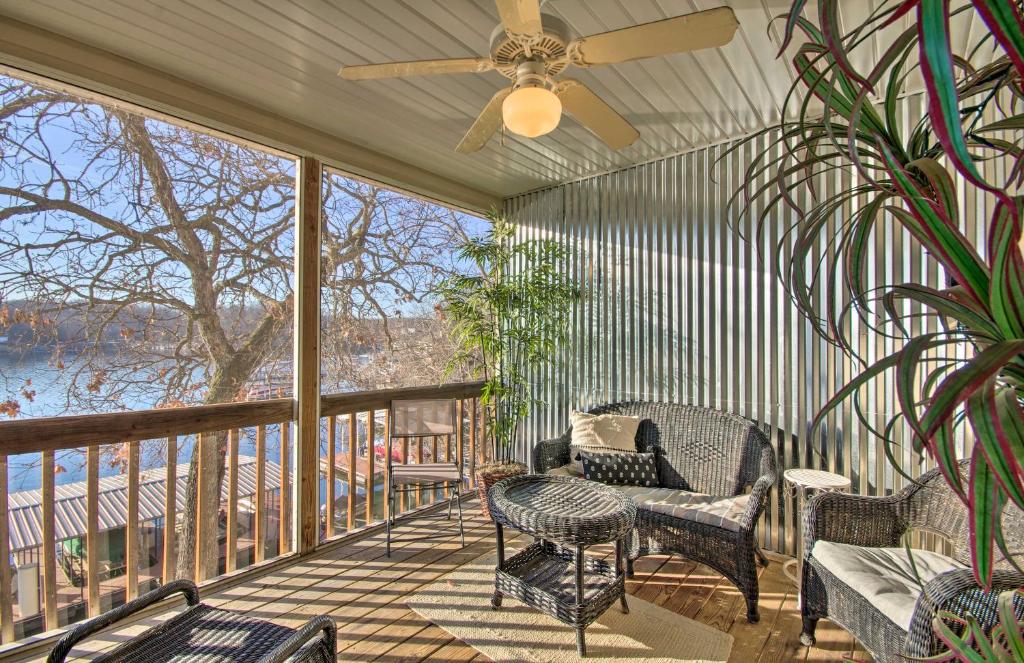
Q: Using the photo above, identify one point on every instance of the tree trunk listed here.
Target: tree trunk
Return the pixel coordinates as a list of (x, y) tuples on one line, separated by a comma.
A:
[(223, 388)]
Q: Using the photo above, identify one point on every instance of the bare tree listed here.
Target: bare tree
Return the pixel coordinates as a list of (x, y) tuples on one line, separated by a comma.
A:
[(155, 261)]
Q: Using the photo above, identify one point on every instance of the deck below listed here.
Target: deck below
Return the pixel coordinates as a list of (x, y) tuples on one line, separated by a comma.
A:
[(365, 592)]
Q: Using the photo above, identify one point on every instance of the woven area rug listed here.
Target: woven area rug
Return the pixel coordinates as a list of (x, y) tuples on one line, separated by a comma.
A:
[(460, 604)]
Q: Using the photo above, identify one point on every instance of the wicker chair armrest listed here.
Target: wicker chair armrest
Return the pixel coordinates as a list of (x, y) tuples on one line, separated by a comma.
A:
[(957, 592), (87, 628), (549, 454), (760, 493), (309, 631), (859, 520)]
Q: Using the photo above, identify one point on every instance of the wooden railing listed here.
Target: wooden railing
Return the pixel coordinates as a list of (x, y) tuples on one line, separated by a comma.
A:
[(79, 570)]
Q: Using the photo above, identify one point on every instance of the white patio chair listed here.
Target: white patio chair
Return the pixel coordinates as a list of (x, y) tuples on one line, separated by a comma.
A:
[(417, 419)]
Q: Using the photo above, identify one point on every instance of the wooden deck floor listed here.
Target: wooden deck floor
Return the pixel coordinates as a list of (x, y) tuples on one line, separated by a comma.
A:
[(364, 591)]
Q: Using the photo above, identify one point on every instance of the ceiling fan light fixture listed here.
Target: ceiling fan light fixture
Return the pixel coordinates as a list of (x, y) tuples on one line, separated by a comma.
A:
[(531, 111)]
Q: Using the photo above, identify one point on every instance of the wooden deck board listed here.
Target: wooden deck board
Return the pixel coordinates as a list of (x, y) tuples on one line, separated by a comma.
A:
[(365, 592)]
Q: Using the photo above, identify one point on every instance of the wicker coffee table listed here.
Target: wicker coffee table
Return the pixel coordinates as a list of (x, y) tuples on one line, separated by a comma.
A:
[(553, 575)]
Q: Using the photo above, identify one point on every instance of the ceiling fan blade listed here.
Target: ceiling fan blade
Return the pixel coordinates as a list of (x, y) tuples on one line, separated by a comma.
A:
[(706, 29), (364, 72), (521, 17), (592, 112), (485, 125)]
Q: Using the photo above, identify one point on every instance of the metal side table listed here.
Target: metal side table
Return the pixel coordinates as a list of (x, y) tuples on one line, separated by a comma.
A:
[(802, 484)]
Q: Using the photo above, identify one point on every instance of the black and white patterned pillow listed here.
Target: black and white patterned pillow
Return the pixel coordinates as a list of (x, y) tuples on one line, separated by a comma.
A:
[(632, 469)]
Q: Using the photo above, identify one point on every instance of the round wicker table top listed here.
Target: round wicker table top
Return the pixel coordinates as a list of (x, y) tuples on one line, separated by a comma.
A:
[(816, 479), (563, 509)]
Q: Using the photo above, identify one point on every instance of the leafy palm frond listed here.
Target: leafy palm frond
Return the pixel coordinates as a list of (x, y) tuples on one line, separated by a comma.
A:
[(507, 319)]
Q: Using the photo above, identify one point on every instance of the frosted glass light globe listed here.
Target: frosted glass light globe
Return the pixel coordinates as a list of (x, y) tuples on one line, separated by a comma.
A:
[(531, 111)]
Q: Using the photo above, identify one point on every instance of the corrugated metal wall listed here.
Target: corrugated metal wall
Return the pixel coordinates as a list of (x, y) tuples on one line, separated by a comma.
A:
[(681, 305)]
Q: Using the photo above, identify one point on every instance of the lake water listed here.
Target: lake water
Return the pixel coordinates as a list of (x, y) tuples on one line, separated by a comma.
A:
[(50, 385)]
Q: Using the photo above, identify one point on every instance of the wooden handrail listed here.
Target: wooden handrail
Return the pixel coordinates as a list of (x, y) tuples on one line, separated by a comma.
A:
[(70, 432), (53, 433)]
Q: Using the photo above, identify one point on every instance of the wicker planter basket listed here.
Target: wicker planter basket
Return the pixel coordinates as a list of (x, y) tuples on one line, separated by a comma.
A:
[(492, 473)]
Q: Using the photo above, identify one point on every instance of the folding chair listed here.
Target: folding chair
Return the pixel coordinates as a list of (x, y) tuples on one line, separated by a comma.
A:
[(417, 419)]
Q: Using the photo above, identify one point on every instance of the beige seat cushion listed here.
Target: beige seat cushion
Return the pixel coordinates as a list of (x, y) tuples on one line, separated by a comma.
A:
[(425, 472), (601, 433), (883, 576), (564, 471), (724, 512)]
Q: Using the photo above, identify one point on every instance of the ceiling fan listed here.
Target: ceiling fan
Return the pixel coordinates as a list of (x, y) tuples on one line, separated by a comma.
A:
[(531, 48)]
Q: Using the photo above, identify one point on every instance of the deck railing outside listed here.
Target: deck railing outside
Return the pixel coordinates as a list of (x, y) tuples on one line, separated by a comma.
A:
[(73, 550)]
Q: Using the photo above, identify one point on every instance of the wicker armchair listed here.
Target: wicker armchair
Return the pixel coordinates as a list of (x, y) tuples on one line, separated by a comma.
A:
[(890, 612), (702, 455)]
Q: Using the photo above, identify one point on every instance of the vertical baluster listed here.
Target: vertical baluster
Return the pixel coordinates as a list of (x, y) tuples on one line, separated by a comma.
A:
[(332, 441), (419, 460), (92, 527), (472, 442), (171, 510), (284, 533), (435, 456), (231, 549), (6, 591), (352, 448), (49, 544), (259, 527), (387, 459), (131, 535), (406, 496), (459, 439), (370, 450)]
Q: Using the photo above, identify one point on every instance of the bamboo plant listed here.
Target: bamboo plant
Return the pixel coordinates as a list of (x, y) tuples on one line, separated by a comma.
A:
[(966, 380), (508, 318)]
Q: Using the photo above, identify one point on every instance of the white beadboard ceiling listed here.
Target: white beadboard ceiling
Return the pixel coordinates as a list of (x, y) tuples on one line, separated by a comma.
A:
[(283, 55)]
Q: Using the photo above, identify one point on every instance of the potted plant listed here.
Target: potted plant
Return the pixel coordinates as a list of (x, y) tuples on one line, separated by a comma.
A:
[(507, 318), (970, 372)]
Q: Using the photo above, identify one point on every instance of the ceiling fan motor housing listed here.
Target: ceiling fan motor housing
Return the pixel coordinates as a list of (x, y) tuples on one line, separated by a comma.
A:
[(548, 49)]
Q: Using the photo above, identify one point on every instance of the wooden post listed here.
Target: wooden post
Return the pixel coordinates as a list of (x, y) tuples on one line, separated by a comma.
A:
[(49, 544), (332, 442), (353, 430), (231, 548), (207, 508), (92, 529), (370, 450), (260, 498), (306, 385), (6, 591), (284, 512), (170, 559), (131, 532)]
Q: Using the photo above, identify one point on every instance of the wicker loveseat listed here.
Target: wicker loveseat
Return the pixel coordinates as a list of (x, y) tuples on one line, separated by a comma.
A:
[(858, 573), (706, 460)]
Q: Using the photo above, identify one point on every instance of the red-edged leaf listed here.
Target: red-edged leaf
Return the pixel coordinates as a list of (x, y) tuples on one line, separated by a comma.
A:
[(1006, 298), (991, 436), (963, 382), (985, 509), (943, 99), (1004, 19), (828, 20), (791, 18)]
